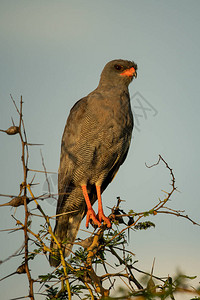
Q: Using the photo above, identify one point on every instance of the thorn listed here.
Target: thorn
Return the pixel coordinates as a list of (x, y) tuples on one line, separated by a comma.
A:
[(12, 121)]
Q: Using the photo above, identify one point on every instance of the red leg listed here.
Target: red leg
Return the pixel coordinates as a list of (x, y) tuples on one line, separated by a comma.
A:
[(90, 213), (101, 215)]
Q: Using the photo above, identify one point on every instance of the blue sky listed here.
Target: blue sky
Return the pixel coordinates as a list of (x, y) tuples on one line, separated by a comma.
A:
[(52, 53)]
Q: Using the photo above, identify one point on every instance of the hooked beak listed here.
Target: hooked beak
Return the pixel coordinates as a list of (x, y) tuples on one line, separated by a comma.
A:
[(135, 74), (129, 72)]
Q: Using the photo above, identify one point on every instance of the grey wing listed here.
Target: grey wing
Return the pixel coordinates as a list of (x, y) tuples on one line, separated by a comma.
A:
[(68, 159), (113, 171)]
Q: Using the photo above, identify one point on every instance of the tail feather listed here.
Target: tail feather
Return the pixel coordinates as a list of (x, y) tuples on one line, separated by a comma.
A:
[(66, 229)]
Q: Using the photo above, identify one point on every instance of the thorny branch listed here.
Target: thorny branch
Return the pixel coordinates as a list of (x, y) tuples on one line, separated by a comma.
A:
[(82, 267), (24, 158)]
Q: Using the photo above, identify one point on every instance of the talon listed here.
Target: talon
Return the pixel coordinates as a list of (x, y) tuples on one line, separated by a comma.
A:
[(91, 216), (102, 217)]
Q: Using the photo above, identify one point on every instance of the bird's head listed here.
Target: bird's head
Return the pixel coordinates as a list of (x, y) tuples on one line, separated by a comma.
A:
[(118, 72)]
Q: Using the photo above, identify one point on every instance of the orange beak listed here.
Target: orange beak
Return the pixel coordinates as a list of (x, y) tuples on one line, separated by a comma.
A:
[(129, 72)]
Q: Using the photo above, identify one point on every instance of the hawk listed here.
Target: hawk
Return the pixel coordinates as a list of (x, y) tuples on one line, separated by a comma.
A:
[(95, 144)]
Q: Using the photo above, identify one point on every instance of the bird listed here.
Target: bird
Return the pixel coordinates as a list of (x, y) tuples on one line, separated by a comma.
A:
[(95, 143)]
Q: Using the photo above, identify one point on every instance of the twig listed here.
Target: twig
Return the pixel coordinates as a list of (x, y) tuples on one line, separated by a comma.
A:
[(40, 171), (178, 215)]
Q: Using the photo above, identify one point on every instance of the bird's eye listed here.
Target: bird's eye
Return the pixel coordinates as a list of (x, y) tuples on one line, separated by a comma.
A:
[(118, 67)]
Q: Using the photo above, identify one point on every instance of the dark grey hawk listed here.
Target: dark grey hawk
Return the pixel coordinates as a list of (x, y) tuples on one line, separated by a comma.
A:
[(95, 143)]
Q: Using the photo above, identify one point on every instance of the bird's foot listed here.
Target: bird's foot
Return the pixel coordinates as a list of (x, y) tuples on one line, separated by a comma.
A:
[(91, 216), (102, 218)]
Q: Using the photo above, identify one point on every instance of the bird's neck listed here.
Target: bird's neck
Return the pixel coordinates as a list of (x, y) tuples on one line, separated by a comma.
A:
[(110, 86)]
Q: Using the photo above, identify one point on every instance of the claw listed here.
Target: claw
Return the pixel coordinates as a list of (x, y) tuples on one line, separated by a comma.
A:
[(101, 217), (91, 216)]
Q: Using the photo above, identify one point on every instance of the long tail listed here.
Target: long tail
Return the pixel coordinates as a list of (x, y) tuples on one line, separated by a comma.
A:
[(66, 229)]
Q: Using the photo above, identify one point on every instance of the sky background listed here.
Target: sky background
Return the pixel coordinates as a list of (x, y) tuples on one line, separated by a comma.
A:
[(52, 53)]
